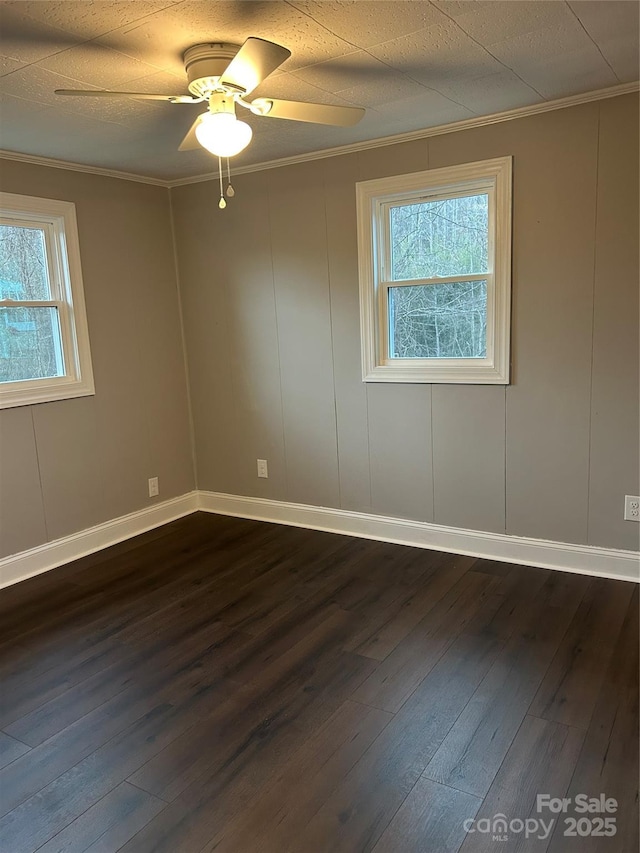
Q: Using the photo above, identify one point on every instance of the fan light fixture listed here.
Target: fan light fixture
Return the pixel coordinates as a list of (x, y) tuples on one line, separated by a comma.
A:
[(223, 134), (224, 74)]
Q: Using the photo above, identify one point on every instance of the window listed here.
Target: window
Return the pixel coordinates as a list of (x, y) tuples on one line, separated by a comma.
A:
[(44, 344), (434, 254)]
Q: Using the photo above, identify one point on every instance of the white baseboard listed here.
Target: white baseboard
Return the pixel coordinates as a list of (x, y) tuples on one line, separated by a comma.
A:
[(583, 559), (26, 564)]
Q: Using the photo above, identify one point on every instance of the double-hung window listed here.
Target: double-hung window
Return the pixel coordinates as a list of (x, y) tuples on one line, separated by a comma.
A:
[(44, 343), (434, 252)]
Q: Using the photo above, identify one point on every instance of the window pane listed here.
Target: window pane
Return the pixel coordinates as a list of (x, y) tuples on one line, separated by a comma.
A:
[(440, 238), (23, 263), (29, 344), (438, 320)]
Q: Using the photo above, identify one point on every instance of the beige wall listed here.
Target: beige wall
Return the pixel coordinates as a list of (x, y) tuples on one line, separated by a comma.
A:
[(68, 465), (270, 300)]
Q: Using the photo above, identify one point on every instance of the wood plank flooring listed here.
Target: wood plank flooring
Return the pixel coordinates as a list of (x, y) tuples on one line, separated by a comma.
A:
[(232, 686)]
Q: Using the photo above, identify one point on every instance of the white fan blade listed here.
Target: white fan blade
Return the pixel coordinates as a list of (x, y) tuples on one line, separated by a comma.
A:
[(255, 60), (190, 142), (300, 111), (96, 93)]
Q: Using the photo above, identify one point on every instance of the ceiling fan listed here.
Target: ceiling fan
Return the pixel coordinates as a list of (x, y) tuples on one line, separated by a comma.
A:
[(224, 74)]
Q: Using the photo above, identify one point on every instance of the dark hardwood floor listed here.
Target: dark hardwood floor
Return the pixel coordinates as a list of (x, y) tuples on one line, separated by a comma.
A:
[(239, 687)]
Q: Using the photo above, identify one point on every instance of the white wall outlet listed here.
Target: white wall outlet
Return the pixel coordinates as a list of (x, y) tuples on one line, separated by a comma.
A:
[(154, 488), (631, 508), (263, 471)]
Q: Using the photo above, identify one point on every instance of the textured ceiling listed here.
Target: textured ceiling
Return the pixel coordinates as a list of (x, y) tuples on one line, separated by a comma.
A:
[(412, 63)]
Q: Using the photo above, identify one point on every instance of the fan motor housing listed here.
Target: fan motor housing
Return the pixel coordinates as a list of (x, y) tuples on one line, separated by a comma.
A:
[(205, 64)]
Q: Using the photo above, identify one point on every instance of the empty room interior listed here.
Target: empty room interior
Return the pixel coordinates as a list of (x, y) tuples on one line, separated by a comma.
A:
[(319, 426)]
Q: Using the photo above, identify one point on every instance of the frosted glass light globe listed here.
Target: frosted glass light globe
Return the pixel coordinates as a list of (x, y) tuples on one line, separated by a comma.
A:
[(223, 134)]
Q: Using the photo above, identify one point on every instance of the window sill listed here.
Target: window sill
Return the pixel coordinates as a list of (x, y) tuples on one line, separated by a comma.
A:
[(458, 371), (62, 389)]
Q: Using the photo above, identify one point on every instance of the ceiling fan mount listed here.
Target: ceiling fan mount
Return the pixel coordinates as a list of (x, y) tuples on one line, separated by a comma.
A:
[(205, 64)]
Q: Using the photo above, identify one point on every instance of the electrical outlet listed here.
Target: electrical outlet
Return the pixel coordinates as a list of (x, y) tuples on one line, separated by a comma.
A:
[(262, 468), (154, 489), (631, 508)]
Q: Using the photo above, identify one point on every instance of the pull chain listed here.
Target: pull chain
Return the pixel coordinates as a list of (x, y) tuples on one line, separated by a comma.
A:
[(230, 190), (222, 203)]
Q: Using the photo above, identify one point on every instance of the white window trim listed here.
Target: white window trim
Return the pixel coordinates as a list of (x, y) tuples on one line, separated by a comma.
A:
[(58, 218), (373, 198)]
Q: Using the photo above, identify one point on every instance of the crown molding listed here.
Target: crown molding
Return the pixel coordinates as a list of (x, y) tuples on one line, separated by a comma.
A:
[(36, 160), (380, 142), (453, 127)]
